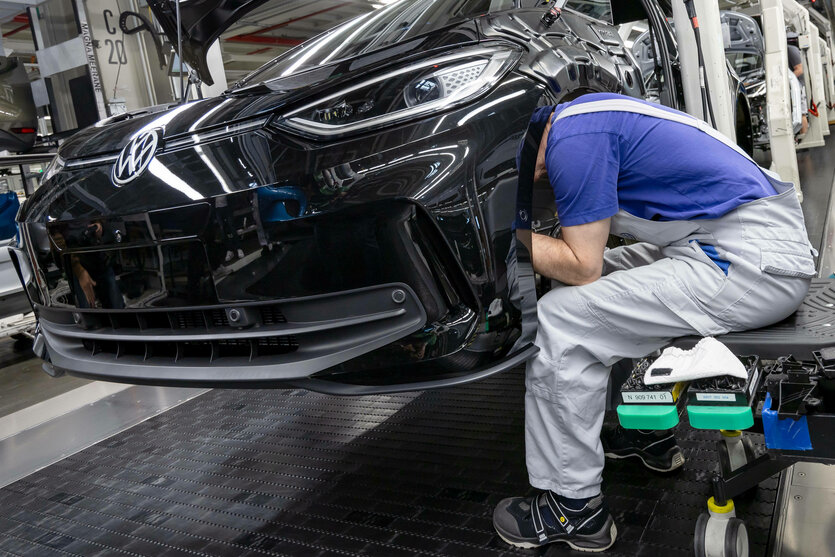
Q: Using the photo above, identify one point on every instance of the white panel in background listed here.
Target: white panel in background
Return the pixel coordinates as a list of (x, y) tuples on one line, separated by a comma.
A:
[(39, 93), (215, 63), (61, 57)]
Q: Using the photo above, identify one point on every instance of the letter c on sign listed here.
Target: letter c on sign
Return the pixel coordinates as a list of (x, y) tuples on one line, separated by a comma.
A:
[(107, 15)]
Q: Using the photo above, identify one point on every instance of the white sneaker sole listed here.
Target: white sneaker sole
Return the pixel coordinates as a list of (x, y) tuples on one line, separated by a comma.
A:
[(613, 532), (678, 461)]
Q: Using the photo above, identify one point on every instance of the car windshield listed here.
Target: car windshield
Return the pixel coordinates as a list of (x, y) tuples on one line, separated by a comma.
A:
[(597, 9), (392, 23), (744, 62)]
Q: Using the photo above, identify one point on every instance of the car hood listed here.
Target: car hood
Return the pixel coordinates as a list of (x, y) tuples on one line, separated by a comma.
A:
[(203, 21), (261, 99)]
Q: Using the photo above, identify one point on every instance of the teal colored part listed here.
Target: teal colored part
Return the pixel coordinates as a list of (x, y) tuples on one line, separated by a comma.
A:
[(646, 416), (720, 417)]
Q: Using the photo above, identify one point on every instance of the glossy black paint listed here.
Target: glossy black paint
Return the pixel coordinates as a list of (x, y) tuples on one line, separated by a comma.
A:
[(427, 204)]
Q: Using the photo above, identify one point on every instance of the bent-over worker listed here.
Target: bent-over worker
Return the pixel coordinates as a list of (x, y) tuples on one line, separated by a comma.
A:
[(722, 247)]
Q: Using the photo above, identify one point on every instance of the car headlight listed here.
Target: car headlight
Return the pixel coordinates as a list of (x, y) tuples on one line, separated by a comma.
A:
[(55, 166), (421, 88)]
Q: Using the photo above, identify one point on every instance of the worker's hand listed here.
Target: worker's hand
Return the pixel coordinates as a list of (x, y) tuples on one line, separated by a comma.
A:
[(87, 283), (804, 126)]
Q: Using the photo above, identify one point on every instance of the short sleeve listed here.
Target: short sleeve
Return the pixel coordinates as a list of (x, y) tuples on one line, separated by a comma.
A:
[(583, 170), (795, 57)]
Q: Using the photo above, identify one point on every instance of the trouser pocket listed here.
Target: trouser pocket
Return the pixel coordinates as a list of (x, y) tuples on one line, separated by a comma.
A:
[(788, 259), (677, 300)]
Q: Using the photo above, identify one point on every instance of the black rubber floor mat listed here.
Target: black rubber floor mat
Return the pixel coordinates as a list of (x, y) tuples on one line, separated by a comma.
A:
[(808, 329), (246, 473)]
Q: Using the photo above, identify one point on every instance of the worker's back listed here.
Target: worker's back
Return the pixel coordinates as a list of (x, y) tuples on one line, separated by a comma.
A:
[(659, 168)]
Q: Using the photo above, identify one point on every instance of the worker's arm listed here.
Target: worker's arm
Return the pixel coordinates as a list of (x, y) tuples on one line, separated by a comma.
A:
[(577, 257), (798, 70)]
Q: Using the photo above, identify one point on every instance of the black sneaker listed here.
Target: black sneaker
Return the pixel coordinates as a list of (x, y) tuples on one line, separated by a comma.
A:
[(522, 523), (658, 450)]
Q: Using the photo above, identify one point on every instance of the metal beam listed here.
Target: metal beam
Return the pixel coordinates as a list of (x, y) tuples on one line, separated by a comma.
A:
[(780, 127), (715, 71), (798, 18), (15, 160), (16, 30)]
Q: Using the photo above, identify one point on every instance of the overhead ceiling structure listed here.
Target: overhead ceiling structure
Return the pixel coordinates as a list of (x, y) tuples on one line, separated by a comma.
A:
[(17, 34), (280, 25), (11, 8)]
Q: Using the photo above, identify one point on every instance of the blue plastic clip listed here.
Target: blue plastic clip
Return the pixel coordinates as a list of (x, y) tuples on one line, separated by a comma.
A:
[(786, 434)]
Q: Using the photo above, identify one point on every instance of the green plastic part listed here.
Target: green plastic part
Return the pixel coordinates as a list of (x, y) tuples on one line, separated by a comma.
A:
[(720, 417), (648, 416)]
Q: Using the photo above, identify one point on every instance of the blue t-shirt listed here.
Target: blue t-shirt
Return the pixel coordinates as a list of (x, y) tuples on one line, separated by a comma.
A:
[(651, 168)]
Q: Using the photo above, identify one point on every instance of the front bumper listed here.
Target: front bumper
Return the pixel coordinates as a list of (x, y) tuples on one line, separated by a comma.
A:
[(348, 294), (290, 340)]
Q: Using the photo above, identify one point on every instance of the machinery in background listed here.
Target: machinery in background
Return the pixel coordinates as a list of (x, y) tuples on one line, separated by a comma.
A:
[(745, 51), (646, 51), (18, 118)]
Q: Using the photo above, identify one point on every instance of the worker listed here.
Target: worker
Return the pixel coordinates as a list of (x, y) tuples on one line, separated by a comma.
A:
[(796, 66), (722, 246)]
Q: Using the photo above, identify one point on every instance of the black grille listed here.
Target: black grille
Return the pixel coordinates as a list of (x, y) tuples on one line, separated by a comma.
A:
[(247, 343), (187, 320), (195, 350), (198, 322), (177, 320), (270, 315)]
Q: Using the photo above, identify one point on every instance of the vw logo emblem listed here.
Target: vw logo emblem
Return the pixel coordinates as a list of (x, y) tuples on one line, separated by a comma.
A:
[(135, 157)]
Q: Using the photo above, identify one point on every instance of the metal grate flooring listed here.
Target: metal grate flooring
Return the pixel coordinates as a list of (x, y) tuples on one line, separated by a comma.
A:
[(295, 473)]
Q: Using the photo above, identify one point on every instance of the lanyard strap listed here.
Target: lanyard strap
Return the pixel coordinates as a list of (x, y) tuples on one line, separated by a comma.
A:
[(636, 107)]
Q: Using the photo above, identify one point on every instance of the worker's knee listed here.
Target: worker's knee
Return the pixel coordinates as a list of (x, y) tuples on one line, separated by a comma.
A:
[(559, 307), (574, 390)]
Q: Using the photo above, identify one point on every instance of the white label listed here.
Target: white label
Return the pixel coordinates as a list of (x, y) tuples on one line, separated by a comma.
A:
[(648, 397), (716, 397), (754, 378)]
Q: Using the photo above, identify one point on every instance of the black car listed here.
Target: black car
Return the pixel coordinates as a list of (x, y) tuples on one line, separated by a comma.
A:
[(340, 220)]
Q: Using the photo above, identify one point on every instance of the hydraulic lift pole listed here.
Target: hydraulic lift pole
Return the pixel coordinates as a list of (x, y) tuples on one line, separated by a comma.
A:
[(819, 80), (830, 83), (826, 46), (711, 75), (778, 96)]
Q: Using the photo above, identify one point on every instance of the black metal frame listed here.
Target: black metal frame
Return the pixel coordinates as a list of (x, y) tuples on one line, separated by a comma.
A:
[(753, 473)]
